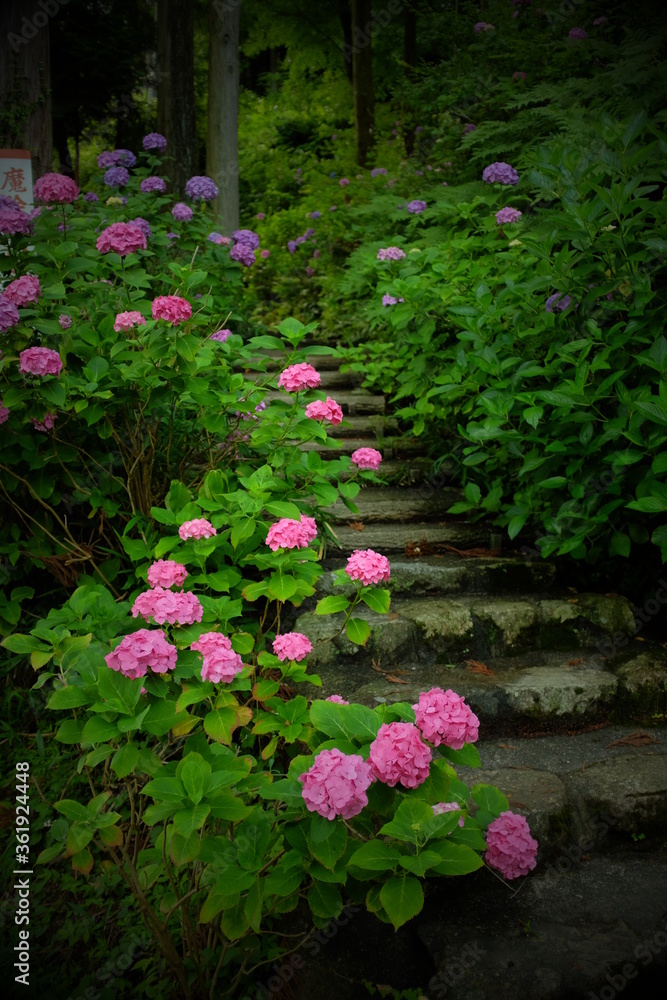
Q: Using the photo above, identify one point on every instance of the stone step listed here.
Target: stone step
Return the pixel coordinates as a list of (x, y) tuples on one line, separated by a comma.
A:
[(320, 362), (451, 574), (390, 504), (378, 426), (437, 632), (355, 403), (392, 538), (345, 446)]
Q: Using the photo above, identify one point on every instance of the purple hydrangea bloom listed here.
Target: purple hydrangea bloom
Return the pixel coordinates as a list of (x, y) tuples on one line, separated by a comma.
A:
[(201, 189), (261, 216), (243, 254), (500, 173), (150, 184), (390, 253), (172, 236), (13, 220), (378, 171), (508, 214), (299, 240), (469, 127), (221, 335), (90, 196), (518, 75), (144, 227), (600, 22), (557, 304), (155, 141), (248, 237), (316, 215), (107, 159), (291, 246), (9, 315), (182, 212), (65, 321), (415, 207), (309, 233), (126, 157), (389, 300), (577, 34), (116, 177)]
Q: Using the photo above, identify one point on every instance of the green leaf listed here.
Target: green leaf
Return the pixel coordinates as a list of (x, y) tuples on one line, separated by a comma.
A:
[(186, 821), (467, 756), (418, 864), (324, 900), (490, 798), (72, 810), (332, 604), (411, 822), (620, 544), (161, 717), (125, 760), (327, 840), (220, 724), (282, 587), (350, 722), (67, 697), (358, 631), (252, 838), (375, 856), (402, 898), (98, 730), (279, 508), (194, 772), (457, 859), (242, 529), (376, 599), (120, 692)]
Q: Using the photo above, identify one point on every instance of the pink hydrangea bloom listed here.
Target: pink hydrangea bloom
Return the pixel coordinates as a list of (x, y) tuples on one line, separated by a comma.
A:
[(368, 567), (343, 182), (46, 424), (23, 291), (55, 189), (508, 215), (366, 458), (399, 755), (325, 410), (297, 377), (141, 650), (518, 75), (221, 335), (121, 238), (390, 300), (4, 413), (289, 534), (127, 321), (444, 807), (265, 253), (198, 528), (221, 663), (337, 700), (65, 321), (171, 308), (168, 606), (40, 361), (292, 646), (9, 315), (182, 212), (444, 717), (336, 783), (166, 573), (390, 253), (13, 220), (510, 847)]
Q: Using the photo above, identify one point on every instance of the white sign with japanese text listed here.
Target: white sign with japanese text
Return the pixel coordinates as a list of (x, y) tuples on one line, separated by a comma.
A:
[(16, 176)]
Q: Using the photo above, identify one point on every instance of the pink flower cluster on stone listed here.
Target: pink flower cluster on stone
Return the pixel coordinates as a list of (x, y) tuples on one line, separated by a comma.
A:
[(221, 663), (366, 458), (337, 700), (127, 321), (141, 650), (23, 291), (297, 377), (289, 534), (55, 189), (292, 646), (9, 315), (46, 424), (444, 717), (40, 361), (510, 847), (368, 567), (171, 308), (162, 606), (336, 784), (444, 807), (166, 573), (325, 410), (197, 528), (390, 253), (399, 755), (121, 238), (507, 215)]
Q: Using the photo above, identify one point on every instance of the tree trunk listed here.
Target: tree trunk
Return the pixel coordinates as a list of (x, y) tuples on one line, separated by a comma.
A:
[(222, 146), (410, 41), (176, 89), (25, 81), (345, 17), (362, 77)]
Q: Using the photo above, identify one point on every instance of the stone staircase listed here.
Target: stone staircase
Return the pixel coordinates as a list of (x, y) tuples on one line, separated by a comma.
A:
[(572, 705)]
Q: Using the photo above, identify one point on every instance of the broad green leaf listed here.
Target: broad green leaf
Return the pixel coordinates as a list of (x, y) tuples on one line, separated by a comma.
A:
[(376, 856), (327, 840), (324, 900), (402, 898), (332, 604), (125, 760), (350, 722), (457, 859), (186, 821), (376, 599), (357, 631)]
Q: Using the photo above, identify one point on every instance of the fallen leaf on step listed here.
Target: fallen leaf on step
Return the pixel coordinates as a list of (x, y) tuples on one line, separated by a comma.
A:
[(637, 739), (475, 667), (393, 616), (640, 638), (506, 746), (395, 680), (575, 663), (573, 600), (357, 526)]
